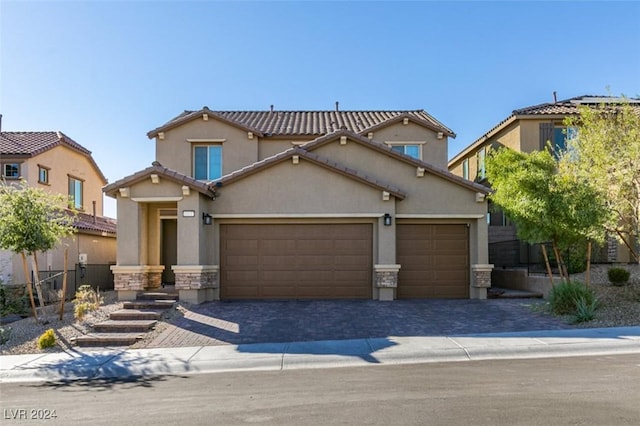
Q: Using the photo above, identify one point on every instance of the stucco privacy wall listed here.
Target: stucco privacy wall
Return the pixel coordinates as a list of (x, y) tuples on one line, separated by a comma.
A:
[(175, 151)]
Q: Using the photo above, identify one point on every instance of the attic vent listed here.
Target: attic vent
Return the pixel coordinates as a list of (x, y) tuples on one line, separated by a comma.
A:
[(168, 213)]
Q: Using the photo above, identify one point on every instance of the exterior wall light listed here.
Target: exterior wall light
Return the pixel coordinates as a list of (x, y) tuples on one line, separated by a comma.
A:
[(387, 219), (207, 219)]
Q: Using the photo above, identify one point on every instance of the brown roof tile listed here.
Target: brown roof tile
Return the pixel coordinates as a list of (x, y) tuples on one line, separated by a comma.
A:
[(307, 123), (87, 222)]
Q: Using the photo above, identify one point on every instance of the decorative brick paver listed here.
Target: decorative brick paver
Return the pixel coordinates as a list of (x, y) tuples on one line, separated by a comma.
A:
[(243, 322)]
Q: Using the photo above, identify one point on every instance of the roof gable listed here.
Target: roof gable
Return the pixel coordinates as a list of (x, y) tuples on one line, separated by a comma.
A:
[(386, 150), (315, 159), (157, 169), (31, 144)]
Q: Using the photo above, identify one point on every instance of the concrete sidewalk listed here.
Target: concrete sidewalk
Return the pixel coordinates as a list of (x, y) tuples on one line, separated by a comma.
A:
[(126, 363)]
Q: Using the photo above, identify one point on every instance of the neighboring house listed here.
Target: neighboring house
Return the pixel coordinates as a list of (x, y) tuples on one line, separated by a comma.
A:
[(526, 130), (301, 204), (56, 163)]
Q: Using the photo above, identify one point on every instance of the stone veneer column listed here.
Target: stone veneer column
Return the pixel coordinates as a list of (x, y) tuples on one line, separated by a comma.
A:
[(386, 280), (481, 280), (128, 281), (196, 283)]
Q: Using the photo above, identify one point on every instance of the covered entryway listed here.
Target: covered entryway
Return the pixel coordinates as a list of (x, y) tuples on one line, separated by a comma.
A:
[(434, 261), (296, 261)]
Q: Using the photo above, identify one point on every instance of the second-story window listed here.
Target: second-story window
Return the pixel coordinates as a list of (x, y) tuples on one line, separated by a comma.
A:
[(207, 162), (410, 149), (482, 172), (75, 193), (465, 168), (11, 170), (43, 175)]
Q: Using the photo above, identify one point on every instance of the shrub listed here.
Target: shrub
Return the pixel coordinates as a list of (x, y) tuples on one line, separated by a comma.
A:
[(565, 297), (86, 300), (584, 311), (618, 276), (47, 339), (11, 304), (5, 335)]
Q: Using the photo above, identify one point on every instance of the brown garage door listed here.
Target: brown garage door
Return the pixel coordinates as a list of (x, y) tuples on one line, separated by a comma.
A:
[(296, 261), (434, 261)]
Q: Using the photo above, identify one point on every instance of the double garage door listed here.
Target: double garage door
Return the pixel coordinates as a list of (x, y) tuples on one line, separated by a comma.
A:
[(296, 261), (334, 261)]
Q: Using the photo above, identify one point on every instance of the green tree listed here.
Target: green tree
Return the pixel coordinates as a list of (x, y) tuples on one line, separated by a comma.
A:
[(545, 206), (605, 152), (32, 221)]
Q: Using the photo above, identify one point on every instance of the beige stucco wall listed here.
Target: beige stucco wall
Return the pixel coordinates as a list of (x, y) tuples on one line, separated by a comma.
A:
[(63, 162), (304, 188), (176, 153), (434, 150), (100, 250)]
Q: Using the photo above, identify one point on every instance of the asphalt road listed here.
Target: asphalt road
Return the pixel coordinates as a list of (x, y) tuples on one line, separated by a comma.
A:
[(565, 391)]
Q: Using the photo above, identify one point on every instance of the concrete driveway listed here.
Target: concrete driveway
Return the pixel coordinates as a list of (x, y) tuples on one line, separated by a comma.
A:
[(245, 322)]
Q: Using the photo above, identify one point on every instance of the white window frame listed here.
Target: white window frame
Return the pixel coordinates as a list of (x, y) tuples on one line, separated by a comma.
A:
[(4, 170), (72, 200), (206, 145), (465, 168), (419, 144)]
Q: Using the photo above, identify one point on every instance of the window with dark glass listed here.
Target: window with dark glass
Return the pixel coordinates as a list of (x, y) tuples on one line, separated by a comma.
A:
[(11, 170)]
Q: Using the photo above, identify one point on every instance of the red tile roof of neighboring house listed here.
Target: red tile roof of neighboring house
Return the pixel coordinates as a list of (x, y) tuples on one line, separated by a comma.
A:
[(307, 123), (98, 224), (30, 144)]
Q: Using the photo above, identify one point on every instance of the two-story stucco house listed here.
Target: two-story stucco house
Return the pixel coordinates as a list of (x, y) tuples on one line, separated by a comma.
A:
[(58, 164), (526, 130), (301, 204)]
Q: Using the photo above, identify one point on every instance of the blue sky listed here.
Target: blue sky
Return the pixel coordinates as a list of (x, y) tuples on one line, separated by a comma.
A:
[(106, 72)]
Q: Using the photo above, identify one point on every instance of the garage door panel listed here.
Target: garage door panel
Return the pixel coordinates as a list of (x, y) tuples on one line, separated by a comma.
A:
[(434, 261), (296, 261), (242, 260), (284, 245)]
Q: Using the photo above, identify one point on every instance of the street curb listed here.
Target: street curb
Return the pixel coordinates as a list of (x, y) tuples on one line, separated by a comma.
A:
[(126, 363)]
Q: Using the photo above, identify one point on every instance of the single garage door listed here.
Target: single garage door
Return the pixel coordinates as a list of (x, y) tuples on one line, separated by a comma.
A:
[(434, 261), (296, 261)]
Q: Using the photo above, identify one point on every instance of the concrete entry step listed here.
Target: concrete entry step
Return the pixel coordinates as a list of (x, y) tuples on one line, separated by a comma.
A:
[(124, 326), (149, 304), (108, 339), (158, 295), (135, 314)]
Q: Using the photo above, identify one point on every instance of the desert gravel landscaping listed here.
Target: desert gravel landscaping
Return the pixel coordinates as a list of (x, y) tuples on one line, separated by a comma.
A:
[(617, 306)]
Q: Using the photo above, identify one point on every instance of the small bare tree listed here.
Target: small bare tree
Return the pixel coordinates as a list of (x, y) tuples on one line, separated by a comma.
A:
[(32, 221)]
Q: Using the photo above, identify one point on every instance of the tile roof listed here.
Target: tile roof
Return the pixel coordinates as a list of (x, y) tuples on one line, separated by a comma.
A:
[(34, 143), (570, 106), (307, 123), (30, 144), (157, 168), (560, 108), (87, 222)]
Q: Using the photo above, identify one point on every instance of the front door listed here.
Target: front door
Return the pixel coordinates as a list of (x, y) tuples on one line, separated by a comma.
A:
[(169, 251)]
